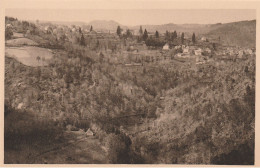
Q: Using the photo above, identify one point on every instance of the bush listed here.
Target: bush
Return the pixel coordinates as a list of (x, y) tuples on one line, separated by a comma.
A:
[(118, 148), (8, 33), (22, 128)]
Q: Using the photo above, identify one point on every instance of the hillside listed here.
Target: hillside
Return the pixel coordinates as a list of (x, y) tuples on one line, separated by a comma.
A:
[(238, 33), (187, 28), (141, 104)]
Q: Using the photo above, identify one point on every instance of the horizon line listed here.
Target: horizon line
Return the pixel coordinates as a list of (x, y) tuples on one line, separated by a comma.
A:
[(119, 24)]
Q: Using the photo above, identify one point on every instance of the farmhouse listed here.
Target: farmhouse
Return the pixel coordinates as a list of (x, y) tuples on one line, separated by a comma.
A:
[(204, 39), (198, 51), (208, 50), (249, 51), (89, 132), (186, 50), (178, 55), (166, 46), (240, 53), (8, 26)]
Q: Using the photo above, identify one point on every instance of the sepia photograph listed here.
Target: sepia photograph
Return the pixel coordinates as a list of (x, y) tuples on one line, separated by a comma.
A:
[(129, 86)]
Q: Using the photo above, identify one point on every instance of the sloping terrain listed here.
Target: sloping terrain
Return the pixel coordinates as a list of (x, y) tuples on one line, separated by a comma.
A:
[(21, 41), (151, 113), (31, 56), (241, 34)]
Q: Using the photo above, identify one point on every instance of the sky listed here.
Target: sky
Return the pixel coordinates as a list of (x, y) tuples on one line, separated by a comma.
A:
[(132, 17)]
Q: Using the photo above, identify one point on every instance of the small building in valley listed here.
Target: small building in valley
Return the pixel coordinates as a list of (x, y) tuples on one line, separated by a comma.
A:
[(198, 51), (89, 132), (166, 46)]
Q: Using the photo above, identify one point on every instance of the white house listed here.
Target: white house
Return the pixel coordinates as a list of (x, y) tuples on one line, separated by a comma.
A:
[(186, 50), (208, 50), (8, 26), (178, 55), (203, 39), (177, 47), (166, 47), (89, 132), (249, 51), (198, 51), (240, 53)]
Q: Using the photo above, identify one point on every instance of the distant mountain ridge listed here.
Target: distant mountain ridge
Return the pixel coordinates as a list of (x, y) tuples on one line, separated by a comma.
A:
[(106, 25)]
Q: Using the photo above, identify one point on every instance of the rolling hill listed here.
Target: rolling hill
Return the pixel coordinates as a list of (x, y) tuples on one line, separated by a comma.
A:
[(241, 34), (106, 25)]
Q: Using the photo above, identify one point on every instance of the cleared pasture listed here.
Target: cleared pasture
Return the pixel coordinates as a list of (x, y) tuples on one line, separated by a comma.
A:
[(30, 55)]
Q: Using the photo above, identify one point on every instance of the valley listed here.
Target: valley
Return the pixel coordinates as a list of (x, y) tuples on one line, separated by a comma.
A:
[(77, 95)]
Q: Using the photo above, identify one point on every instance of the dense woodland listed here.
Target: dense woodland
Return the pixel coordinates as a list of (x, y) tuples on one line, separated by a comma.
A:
[(154, 114)]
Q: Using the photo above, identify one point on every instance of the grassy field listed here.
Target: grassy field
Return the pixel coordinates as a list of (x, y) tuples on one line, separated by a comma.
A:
[(28, 55)]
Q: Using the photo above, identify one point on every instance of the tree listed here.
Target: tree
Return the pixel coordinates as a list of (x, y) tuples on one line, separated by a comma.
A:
[(145, 35), (119, 148), (82, 40), (182, 38), (8, 33), (141, 31), (193, 38), (157, 34), (128, 33), (80, 30), (167, 35), (101, 57), (214, 46), (97, 44), (174, 36), (118, 31), (38, 58), (91, 28)]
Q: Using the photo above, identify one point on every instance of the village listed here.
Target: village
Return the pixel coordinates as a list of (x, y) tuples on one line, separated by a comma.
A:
[(130, 49)]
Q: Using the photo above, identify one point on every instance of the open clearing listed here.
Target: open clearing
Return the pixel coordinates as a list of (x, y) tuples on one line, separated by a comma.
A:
[(78, 149), (28, 55)]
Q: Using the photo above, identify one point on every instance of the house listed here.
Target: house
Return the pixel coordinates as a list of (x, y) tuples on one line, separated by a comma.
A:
[(178, 55), (249, 51), (186, 50), (73, 29), (8, 26), (177, 47), (240, 53), (208, 50), (198, 51), (231, 52), (20, 105), (203, 39), (166, 46), (200, 60), (48, 29), (89, 132)]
